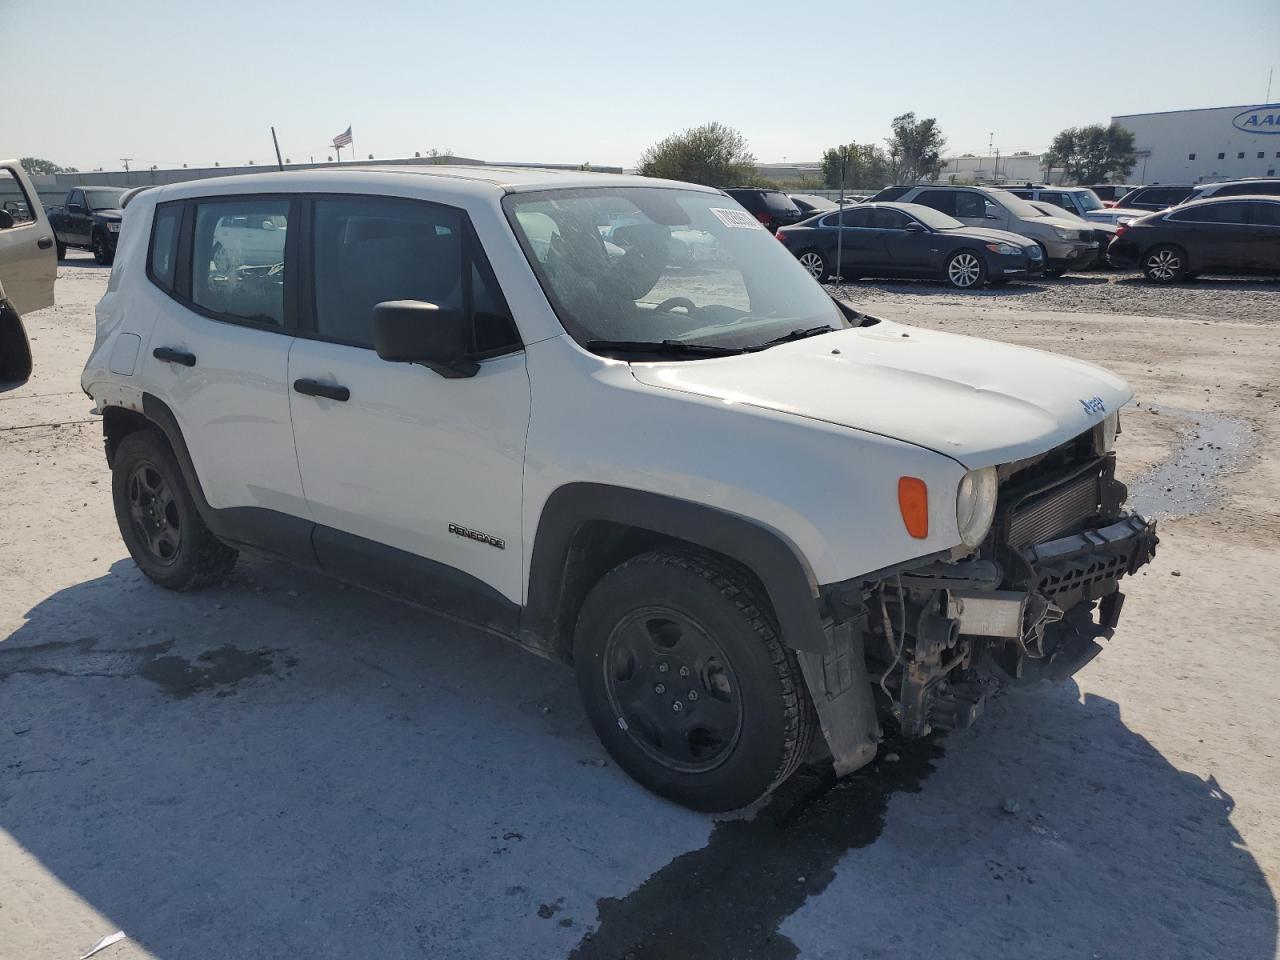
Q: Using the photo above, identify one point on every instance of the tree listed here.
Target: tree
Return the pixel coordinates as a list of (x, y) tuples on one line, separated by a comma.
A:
[(865, 166), (712, 154), (915, 149), (1091, 154), (36, 166)]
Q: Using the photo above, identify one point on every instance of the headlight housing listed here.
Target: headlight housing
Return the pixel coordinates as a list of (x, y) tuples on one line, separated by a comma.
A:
[(1063, 233), (1105, 433), (113, 227), (976, 505), (1004, 249)]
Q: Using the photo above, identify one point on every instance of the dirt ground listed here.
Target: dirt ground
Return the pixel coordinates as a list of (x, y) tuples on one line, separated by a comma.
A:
[(283, 767)]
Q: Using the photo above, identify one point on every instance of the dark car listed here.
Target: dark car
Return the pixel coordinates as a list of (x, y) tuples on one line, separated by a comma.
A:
[(811, 204), (1154, 197), (1240, 235), (773, 208), (90, 218), (909, 240)]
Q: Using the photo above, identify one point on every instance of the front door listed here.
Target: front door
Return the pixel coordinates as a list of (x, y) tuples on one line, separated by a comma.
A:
[(414, 480), (28, 261), (910, 251)]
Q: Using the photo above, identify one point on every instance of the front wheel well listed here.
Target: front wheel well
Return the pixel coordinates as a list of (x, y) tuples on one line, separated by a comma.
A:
[(599, 546)]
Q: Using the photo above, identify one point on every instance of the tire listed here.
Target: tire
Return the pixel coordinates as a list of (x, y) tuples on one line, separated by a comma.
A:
[(669, 618), (102, 252), (62, 250), (15, 349), (814, 262), (221, 262), (1164, 264), (965, 270), (158, 518)]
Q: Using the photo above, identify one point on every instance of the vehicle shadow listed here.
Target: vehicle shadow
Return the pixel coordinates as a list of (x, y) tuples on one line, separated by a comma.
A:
[(281, 767), (82, 263), (1209, 284)]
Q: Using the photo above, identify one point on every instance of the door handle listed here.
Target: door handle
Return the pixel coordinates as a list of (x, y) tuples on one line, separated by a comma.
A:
[(44, 243), (314, 388), (171, 355)]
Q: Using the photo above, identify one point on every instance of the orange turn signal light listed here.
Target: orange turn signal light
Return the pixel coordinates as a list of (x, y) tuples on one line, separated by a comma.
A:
[(913, 501)]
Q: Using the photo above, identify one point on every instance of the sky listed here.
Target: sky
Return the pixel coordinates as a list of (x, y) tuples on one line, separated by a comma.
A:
[(174, 82)]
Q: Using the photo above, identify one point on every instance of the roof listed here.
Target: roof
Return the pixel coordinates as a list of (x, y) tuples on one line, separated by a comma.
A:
[(503, 179)]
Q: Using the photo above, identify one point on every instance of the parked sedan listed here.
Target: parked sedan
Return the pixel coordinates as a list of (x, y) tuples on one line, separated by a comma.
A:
[(909, 240), (811, 204), (1236, 235)]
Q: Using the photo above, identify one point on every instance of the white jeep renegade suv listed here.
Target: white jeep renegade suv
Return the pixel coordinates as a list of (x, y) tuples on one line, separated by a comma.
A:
[(741, 510)]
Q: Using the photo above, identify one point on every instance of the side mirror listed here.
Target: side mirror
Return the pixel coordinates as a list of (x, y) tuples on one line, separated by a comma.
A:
[(415, 331), (993, 216), (75, 208), (6, 220), (914, 227)]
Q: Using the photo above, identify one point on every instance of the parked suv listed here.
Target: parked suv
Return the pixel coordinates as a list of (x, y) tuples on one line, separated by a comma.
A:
[(27, 267), (743, 512), (1080, 201), (1066, 245), (1154, 197), (773, 208)]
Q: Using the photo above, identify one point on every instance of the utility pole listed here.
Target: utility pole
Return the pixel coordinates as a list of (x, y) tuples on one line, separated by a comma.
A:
[(125, 161)]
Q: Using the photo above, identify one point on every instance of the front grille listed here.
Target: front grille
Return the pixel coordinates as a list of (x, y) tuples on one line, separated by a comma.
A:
[(1058, 511)]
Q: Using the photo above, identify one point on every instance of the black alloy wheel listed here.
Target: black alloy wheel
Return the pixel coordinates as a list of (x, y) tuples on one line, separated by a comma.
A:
[(154, 513)]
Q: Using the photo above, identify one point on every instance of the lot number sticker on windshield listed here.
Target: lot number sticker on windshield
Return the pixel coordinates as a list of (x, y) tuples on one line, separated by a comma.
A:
[(736, 218)]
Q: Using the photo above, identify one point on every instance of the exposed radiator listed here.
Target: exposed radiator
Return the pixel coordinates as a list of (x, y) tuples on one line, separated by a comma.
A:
[(1055, 512)]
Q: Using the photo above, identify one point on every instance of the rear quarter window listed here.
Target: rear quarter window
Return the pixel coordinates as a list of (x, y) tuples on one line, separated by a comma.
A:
[(162, 254)]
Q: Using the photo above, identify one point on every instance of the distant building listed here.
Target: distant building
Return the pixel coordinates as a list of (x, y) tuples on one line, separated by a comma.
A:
[(1013, 169), (1195, 146)]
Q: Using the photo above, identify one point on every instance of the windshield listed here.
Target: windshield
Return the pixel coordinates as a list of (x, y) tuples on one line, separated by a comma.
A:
[(655, 264), (1015, 205), (1088, 200), (930, 217), (103, 199)]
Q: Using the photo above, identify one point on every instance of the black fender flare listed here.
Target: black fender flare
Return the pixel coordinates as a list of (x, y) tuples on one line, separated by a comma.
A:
[(780, 569)]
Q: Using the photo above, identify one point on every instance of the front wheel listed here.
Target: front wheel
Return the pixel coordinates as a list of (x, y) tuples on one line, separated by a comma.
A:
[(686, 682), (102, 252), (816, 264), (965, 270), (1164, 264)]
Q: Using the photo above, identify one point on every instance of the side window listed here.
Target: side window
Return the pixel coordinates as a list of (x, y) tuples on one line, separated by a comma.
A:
[(1057, 199), (971, 205), (371, 249), (857, 217), (13, 198), (163, 255), (889, 219), (941, 200), (1266, 214), (1235, 212), (238, 259), (77, 196)]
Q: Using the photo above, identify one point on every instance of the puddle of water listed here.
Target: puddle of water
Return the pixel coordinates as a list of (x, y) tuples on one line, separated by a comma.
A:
[(728, 898), (1188, 482), (222, 667)]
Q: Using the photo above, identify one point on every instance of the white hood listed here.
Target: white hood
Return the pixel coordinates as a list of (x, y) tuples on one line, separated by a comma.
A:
[(977, 401)]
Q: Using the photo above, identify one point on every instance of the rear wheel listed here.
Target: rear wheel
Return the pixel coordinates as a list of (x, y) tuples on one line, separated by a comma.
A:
[(816, 264), (686, 682), (158, 518), (1164, 264), (965, 270)]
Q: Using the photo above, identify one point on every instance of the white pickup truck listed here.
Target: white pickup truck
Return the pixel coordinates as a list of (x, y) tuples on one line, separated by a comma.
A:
[(28, 267), (744, 512)]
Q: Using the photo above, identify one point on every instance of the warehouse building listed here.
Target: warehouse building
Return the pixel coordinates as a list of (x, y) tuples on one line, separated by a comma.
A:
[(1197, 146)]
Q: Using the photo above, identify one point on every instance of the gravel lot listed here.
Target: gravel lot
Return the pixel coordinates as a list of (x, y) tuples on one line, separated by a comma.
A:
[(282, 767)]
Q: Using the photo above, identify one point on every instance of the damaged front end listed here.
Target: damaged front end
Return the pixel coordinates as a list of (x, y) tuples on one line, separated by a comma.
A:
[(939, 635)]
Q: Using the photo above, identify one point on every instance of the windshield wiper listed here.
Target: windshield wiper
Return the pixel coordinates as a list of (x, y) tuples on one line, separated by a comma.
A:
[(795, 335), (674, 348)]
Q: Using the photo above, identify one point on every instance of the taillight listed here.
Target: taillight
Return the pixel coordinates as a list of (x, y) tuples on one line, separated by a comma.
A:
[(782, 235), (1121, 229), (764, 218)]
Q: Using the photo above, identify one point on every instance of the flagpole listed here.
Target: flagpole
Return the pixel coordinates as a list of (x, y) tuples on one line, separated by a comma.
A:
[(352, 145)]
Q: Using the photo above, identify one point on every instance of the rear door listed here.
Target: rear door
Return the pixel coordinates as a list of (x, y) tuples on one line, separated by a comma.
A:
[(860, 244), (28, 260), (228, 327), (415, 480), (77, 223)]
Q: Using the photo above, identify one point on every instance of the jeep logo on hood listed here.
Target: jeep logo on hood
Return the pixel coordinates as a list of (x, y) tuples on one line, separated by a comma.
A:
[(1258, 119)]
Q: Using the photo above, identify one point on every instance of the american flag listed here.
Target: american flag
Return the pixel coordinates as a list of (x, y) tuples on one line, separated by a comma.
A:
[(343, 139)]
